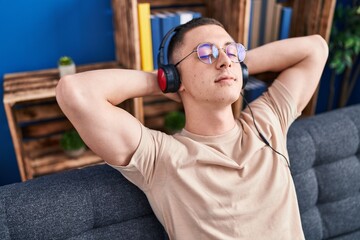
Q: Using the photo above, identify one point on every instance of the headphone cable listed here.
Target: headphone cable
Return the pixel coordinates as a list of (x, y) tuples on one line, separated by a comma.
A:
[(261, 135)]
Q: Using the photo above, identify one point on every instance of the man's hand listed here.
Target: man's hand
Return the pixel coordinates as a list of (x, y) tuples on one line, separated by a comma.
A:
[(300, 62)]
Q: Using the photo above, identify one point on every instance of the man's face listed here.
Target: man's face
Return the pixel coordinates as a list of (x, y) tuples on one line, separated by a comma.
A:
[(216, 83)]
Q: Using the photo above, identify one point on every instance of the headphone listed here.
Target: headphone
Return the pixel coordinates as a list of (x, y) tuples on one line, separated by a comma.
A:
[(168, 76)]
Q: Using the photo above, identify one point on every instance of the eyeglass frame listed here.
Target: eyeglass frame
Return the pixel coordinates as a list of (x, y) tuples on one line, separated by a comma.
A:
[(222, 48)]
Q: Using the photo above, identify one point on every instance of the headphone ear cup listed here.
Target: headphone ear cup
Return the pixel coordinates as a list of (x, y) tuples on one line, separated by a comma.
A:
[(168, 78), (245, 74)]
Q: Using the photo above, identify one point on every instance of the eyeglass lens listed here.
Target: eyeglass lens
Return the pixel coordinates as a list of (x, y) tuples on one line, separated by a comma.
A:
[(208, 52)]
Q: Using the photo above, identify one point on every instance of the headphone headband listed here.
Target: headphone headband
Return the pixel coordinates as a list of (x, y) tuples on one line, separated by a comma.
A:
[(168, 76), (160, 57)]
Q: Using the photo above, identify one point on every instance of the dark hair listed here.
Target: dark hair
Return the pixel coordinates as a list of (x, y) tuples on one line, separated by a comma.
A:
[(180, 32)]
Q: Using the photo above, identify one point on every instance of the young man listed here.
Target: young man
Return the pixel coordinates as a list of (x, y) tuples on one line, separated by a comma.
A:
[(217, 179)]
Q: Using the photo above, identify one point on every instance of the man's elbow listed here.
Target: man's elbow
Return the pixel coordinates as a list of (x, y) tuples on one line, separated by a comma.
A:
[(320, 47), (65, 92)]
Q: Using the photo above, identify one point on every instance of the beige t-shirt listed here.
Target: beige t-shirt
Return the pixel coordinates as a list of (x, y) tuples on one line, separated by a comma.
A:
[(230, 186)]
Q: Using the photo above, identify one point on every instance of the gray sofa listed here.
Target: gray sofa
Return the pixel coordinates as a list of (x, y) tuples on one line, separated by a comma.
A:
[(98, 203)]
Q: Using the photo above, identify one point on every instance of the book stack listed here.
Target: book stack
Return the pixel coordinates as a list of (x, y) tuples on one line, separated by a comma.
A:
[(153, 25), (270, 20)]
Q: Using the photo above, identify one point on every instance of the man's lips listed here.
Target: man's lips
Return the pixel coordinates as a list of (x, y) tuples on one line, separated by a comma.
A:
[(225, 78)]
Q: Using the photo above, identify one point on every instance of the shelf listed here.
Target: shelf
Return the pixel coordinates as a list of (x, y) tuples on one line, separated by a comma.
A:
[(36, 121), (34, 85)]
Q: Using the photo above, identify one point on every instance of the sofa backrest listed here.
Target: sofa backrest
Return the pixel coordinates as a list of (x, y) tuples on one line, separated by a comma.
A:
[(91, 203), (324, 152)]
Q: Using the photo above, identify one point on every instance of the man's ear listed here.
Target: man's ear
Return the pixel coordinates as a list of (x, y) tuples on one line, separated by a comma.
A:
[(181, 88)]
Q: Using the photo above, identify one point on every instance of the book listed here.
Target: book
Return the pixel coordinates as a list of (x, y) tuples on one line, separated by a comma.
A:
[(196, 14), (285, 22), (276, 21), (256, 19), (167, 22), (250, 23), (263, 18), (155, 37), (253, 89), (269, 23), (146, 53), (185, 16)]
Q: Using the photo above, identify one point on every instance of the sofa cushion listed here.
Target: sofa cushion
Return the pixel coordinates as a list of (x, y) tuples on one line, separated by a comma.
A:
[(324, 152)]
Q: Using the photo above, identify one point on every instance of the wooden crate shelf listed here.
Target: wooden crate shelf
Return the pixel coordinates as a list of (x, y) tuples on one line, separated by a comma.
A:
[(37, 123)]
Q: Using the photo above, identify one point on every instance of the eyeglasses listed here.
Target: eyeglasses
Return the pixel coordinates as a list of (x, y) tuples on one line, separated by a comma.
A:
[(209, 52)]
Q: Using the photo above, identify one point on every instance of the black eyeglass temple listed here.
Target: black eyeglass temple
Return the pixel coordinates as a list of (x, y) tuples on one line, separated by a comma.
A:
[(185, 57)]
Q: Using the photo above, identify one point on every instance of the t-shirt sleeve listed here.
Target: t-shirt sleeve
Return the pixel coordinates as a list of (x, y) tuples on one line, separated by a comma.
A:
[(143, 164), (274, 110)]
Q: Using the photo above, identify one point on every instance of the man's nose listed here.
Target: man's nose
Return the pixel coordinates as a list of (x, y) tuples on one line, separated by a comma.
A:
[(224, 60)]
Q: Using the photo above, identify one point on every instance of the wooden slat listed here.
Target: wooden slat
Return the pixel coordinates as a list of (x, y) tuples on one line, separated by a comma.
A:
[(38, 112), (16, 141), (155, 99), (158, 109), (138, 109), (37, 74), (24, 96), (55, 72), (60, 162), (156, 123), (15, 82), (44, 152), (39, 147), (298, 18), (134, 37), (326, 20), (45, 129), (125, 20), (44, 87), (313, 19)]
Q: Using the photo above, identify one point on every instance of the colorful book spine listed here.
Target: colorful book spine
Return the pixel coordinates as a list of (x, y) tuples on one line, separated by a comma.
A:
[(285, 23), (145, 37), (276, 21), (156, 37), (263, 23), (256, 20), (269, 23)]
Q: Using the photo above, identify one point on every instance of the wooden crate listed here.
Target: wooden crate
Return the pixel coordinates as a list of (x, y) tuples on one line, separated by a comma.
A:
[(36, 121)]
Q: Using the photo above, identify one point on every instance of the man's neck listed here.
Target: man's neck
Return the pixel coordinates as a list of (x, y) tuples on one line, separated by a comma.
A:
[(209, 122)]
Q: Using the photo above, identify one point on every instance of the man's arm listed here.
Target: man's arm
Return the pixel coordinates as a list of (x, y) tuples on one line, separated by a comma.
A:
[(300, 62), (89, 101)]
